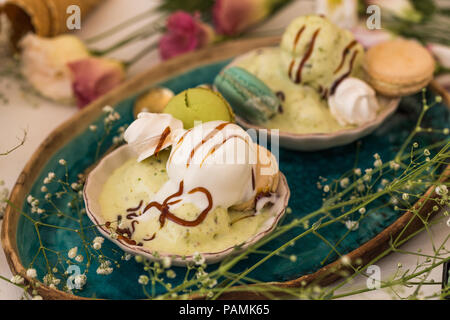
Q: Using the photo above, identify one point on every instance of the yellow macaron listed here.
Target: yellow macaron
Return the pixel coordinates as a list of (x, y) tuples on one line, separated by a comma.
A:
[(398, 67)]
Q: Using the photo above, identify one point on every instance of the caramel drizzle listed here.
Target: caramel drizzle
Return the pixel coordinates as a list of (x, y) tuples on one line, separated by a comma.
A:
[(344, 55), (163, 138), (218, 145), (345, 75), (308, 53), (166, 214), (209, 136), (179, 144)]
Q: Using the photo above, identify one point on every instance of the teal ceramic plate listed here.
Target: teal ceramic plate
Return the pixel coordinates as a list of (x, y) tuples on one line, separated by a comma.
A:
[(77, 144)]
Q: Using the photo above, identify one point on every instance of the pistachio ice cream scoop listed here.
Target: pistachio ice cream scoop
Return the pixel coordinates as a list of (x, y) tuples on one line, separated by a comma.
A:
[(317, 53)]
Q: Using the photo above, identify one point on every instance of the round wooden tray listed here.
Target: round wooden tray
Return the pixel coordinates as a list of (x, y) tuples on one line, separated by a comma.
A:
[(406, 224)]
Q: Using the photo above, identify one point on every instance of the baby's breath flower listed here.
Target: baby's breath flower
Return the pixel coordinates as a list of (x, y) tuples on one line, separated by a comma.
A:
[(79, 258), (105, 268), (426, 152), (80, 281), (405, 196), (198, 258), (394, 165), (92, 127), (441, 190), (384, 182), (326, 188), (97, 245), (344, 182), (378, 163), (166, 262), (17, 279), (415, 145), (107, 109), (293, 257), (345, 260), (143, 279), (44, 189), (46, 180), (72, 252), (171, 274), (31, 273), (358, 171), (352, 225), (30, 199), (362, 210), (40, 211), (62, 162), (75, 186)]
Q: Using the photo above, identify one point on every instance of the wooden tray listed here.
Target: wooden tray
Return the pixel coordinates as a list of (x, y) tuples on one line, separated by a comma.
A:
[(189, 70)]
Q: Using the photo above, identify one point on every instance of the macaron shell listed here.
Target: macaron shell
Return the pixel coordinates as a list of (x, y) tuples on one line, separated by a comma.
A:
[(402, 64), (248, 95), (395, 90)]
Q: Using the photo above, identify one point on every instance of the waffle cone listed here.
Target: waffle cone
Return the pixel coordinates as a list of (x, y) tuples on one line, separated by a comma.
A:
[(44, 17), (27, 16), (59, 15)]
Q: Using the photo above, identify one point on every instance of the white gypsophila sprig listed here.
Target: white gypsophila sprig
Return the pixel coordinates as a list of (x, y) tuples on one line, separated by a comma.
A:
[(105, 268)]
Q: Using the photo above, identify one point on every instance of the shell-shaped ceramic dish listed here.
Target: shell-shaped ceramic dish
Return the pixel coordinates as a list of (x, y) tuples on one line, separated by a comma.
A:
[(98, 176), (321, 141)]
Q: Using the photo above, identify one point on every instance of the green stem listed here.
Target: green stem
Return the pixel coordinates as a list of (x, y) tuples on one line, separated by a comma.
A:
[(120, 26)]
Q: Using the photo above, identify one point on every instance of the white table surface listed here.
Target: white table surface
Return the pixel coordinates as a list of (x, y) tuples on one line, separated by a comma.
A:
[(39, 117)]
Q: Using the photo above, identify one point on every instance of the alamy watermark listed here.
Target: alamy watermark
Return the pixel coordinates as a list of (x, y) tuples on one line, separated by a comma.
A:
[(73, 22)]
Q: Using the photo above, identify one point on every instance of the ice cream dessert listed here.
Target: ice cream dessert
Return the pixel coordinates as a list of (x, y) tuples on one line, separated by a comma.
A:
[(306, 72), (202, 189)]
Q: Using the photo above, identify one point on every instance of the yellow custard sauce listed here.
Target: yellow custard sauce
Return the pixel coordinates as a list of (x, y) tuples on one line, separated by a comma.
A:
[(134, 182)]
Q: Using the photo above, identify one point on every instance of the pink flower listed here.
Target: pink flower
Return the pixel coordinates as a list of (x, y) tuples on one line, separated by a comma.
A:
[(232, 17), (184, 33), (93, 77)]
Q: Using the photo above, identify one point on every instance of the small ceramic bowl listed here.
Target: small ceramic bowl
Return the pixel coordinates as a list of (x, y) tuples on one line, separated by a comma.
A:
[(98, 176), (321, 141)]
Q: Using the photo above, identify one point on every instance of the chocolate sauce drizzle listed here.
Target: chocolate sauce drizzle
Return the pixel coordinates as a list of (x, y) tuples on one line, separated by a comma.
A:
[(166, 214), (345, 75), (136, 208), (344, 55), (308, 53)]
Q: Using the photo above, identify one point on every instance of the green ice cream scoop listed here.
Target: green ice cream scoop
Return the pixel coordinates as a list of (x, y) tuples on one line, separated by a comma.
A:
[(199, 104), (250, 98)]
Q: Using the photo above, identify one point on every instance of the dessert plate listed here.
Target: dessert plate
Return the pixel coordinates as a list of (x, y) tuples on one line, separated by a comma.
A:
[(78, 145), (118, 157), (322, 141)]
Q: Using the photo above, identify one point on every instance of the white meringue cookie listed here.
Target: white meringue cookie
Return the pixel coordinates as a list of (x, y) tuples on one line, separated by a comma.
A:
[(146, 133), (353, 103)]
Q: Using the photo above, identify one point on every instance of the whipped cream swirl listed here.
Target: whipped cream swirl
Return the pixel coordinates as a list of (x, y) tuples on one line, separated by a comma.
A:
[(353, 103)]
